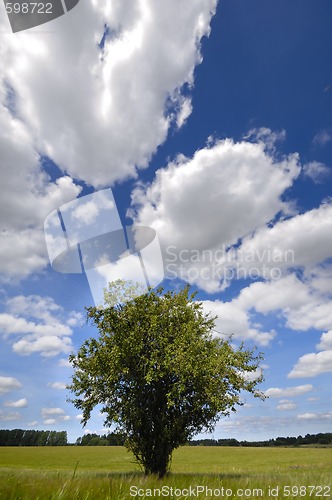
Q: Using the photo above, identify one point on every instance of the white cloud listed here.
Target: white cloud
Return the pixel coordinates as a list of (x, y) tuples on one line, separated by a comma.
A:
[(234, 320), (10, 416), (110, 108), (21, 403), (57, 385), (185, 112), (312, 365), (33, 306), (8, 384), (315, 416), (49, 421), (75, 319), (316, 171), (64, 363), (307, 416), (48, 346), (47, 412), (100, 119), (9, 324), (286, 244), (275, 392), (27, 196), (185, 205), (320, 278), (286, 405), (187, 200), (322, 137), (53, 416), (32, 424), (222, 194), (40, 325), (302, 306), (325, 343)]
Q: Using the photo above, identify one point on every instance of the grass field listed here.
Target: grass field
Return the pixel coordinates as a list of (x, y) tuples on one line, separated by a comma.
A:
[(210, 472)]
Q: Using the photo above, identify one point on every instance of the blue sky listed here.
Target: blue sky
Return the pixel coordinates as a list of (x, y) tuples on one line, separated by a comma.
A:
[(212, 124)]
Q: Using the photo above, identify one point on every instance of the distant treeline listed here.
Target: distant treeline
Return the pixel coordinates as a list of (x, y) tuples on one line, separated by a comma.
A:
[(111, 439), (20, 437), (279, 441)]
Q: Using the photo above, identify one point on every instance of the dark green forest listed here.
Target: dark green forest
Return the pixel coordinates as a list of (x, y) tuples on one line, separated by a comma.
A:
[(20, 437), (308, 439)]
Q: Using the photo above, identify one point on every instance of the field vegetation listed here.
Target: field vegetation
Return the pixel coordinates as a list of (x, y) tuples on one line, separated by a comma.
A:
[(110, 473)]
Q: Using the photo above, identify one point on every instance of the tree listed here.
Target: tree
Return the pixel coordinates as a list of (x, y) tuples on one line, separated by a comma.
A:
[(158, 373)]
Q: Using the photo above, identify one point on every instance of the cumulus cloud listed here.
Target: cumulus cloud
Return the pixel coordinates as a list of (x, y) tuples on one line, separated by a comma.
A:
[(320, 278), (224, 193), (112, 104), (8, 384), (286, 245), (100, 118), (302, 305), (46, 412), (325, 343), (46, 346), (10, 416), (252, 426), (64, 363), (275, 392), (49, 421), (21, 403), (188, 200), (27, 196), (186, 204), (312, 365), (52, 416), (35, 324), (57, 385), (230, 194), (307, 416), (315, 416), (234, 320), (286, 405)]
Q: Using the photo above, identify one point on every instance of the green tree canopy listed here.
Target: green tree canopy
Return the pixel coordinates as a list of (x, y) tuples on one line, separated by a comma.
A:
[(158, 373)]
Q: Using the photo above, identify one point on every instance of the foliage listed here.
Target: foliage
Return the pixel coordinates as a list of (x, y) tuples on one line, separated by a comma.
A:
[(111, 439), (20, 437), (159, 374), (308, 439)]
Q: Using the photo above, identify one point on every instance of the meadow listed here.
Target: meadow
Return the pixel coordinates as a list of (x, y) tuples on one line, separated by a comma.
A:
[(197, 472)]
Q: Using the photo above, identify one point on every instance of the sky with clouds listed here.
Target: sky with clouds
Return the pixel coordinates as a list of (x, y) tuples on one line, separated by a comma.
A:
[(211, 123)]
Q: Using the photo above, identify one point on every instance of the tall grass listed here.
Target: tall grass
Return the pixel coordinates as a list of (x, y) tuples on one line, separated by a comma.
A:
[(109, 473)]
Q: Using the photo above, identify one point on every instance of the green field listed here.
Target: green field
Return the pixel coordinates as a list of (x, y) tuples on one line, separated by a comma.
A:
[(110, 473)]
